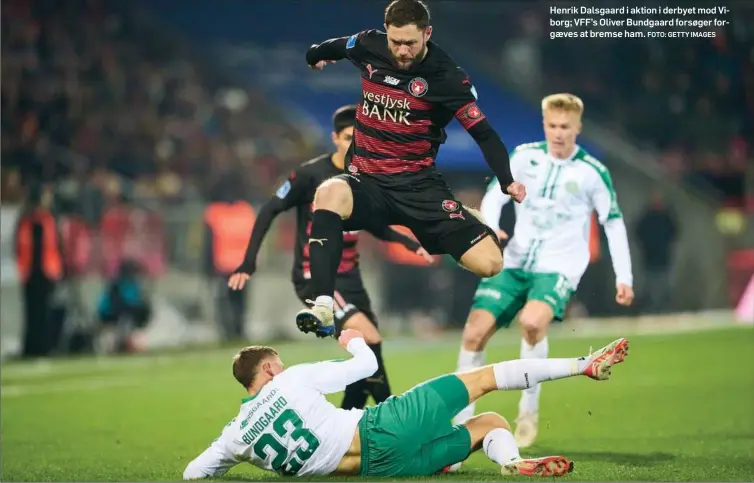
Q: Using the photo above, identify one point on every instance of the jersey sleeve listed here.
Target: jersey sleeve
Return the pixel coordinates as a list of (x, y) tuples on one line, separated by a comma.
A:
[(492, 205), (460, 97), (353, 48), (357, 45), (333, 376), (605, 202), (604, 199), (295, 190), (214, 461)]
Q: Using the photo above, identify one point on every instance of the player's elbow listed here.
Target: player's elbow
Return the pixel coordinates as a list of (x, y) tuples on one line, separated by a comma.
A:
[(373, 366), (311, 58), (194, 471), (370, 365), (483, 132)]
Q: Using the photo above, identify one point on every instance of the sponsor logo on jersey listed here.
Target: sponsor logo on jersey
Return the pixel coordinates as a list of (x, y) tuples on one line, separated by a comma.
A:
[(371, 70), (385, 107), (284, 189), (418, 87), (391, 80), (572, 187), (450, 206), (352, 169), (457, 216)]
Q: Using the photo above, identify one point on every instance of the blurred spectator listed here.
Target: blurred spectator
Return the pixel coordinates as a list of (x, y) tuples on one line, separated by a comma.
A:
[(124, 311), (40, 267), (656, 233), (88, 89), (228, 220)]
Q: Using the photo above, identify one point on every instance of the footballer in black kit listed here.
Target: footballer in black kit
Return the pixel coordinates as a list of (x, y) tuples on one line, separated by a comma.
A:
[(353, 307), (411, 90)]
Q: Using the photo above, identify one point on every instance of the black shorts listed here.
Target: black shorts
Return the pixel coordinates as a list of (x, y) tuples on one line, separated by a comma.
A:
[(349, 299), (423, 203)]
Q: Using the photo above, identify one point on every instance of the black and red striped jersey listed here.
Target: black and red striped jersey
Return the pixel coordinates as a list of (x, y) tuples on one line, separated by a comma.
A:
[(402, 115), (298, 191)]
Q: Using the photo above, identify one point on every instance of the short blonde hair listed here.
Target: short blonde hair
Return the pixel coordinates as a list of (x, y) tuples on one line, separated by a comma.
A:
[(564, 101)]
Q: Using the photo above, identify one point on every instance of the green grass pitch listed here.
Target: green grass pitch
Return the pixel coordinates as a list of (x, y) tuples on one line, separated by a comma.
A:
[(680, 409)]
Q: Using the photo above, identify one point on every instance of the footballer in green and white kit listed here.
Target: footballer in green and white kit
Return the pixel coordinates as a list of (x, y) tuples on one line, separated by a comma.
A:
[(286, 425), (549, 252)]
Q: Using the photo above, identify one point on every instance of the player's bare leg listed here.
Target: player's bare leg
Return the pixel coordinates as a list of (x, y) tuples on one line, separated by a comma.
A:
[(377, 384), (484, 259), (333, 203), (535, 319), (479, 327)]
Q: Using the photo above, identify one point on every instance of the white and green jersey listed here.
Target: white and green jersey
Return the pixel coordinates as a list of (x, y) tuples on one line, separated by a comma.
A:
[(553, 222), (289, 427)]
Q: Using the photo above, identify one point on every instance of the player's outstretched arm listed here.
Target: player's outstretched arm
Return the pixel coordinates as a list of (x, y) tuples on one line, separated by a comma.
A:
[(267, 214), (388, 234), (333, 376), (330, 50), (496, 155), (605, 201), (291, 193), (461, 99), (214, 462)]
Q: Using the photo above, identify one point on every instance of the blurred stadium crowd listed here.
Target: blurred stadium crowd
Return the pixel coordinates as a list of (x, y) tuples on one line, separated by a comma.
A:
[(97, 95)]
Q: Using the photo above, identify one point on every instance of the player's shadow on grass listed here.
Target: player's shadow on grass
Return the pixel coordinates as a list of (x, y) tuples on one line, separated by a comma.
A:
[(633, 459)]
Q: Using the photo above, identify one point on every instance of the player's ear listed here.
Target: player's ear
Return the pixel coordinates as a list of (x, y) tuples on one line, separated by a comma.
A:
[(427, 32), (334, 137)]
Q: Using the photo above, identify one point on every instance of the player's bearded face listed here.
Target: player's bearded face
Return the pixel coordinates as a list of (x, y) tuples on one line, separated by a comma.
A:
[(561, 129), (407, 44)]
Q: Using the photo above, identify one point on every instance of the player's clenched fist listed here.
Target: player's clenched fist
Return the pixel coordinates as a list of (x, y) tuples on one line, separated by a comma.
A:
[(517, 191), (321, 64), (347, 335), (624, 295)]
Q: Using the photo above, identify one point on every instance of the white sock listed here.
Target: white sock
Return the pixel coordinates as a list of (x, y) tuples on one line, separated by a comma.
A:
[(525, 373), (468, 360), (324, 301), (530, 397), (500, 446)]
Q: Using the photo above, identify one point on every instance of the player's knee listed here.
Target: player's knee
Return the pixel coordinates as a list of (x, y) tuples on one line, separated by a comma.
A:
[(531, 328), (490, 265), (476, 332), (490, 421), (333, 195), (534, 322)]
